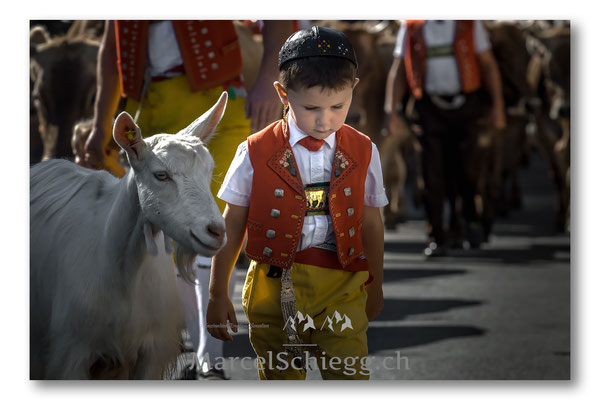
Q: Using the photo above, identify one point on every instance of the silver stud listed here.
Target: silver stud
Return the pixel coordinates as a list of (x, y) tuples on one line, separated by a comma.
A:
[(211, 54), (124, 54), (278, 192), (270, 234), (125, 30), (347, 191), (267, 252), (351, 251), (203, 76), (124, 66), (124, 78), (275, 213), (214, 66), (350, 211), (200, 64), (204, 31), (124, 42), (208, 43), (351, 232)]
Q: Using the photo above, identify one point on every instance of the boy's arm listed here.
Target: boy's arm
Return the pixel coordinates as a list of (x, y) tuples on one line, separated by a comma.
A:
[(372, 233), (220, 309)]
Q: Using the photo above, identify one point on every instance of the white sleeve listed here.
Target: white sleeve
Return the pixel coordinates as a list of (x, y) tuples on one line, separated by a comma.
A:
[(237, 186), (399, 49), (374, 190), (482, 40)]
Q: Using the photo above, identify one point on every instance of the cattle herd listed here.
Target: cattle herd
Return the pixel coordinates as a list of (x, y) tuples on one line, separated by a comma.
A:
[(534, 61)]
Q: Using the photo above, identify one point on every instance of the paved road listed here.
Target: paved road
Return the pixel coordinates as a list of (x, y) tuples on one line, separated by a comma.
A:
[(501, 312)]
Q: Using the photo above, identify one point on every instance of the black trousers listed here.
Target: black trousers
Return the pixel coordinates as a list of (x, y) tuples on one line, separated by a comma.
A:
[(448, 140)]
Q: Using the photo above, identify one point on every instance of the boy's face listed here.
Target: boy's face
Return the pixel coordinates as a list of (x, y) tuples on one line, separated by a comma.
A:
[(318, 112)]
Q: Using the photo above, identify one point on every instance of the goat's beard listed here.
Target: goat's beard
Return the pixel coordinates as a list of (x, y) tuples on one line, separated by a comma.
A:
[(184, 259)]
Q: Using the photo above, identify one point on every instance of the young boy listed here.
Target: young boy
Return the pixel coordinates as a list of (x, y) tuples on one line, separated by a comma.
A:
[(307, 189)]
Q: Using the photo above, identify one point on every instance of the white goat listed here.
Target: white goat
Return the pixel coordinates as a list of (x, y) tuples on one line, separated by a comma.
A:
[(103, 296)]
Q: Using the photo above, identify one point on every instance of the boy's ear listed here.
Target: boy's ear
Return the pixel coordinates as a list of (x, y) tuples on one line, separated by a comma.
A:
[(356, 80), (281, 92)]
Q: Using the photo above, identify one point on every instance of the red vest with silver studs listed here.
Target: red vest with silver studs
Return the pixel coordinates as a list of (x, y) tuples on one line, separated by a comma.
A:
[(278, 202), (415, 56), (210, 51)]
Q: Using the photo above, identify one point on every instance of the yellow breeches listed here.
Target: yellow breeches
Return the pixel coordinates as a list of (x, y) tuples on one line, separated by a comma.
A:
[(335, 338), (170, 106)]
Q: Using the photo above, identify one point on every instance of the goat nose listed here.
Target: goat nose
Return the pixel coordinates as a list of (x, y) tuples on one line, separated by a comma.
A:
[(215, 229)]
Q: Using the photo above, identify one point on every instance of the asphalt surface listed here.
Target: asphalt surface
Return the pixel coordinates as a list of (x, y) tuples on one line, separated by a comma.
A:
[(499, 312)]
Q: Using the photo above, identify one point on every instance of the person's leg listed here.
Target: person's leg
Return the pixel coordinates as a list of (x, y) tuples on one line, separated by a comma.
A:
[(452, 160), (187, 293), (433, 173), (261, 303), (467, 185), (209, 348), (336, 301)]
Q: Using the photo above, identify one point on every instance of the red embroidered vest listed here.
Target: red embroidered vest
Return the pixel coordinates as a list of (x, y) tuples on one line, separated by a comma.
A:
[(278, 201), (210, 51), (415, 56)]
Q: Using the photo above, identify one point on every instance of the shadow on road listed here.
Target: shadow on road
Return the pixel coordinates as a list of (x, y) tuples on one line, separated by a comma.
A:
[(527, 255), (382, 338), (394, 275), (530, 256), (395, 310)]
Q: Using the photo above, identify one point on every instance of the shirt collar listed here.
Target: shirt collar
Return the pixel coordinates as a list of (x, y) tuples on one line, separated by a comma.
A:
[(296, 134)]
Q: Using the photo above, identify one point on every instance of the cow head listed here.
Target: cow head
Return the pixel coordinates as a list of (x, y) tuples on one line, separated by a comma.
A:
[(63, 76)]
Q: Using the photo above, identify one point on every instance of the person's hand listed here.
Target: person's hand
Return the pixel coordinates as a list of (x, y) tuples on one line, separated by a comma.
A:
[(262, 105), (78, 144), (95, 149), (498, 118), (219, 311), (396, 127), (374, 300)]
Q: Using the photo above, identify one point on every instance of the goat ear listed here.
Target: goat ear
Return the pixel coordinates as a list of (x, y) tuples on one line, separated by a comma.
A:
[(129, 136), (204, 127)]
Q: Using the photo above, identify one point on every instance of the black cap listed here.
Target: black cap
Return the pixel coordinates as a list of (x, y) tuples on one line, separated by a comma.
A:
[(316, 42)]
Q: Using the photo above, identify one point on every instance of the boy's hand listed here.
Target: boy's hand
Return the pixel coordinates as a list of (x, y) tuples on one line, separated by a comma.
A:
[(374, 300), (218, 313)]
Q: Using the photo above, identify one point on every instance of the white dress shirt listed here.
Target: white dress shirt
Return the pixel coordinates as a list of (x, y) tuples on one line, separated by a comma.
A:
[(442, 76), (163, 50), (313, 166)]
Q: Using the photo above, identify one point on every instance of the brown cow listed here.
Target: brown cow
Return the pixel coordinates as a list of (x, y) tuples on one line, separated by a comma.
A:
[(500, 156), (63, 72), (551, 80)]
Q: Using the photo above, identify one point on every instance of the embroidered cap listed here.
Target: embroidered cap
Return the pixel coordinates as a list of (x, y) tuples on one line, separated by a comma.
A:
[(316, 42)]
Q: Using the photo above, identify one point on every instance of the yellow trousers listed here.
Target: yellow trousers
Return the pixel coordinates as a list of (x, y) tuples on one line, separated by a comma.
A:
[(170, 106), (331, 298)]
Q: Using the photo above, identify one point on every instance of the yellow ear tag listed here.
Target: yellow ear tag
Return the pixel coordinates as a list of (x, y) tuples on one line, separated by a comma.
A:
[(130, 134)]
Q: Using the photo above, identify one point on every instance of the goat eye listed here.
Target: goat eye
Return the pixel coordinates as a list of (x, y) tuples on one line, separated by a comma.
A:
[(161, 175)]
